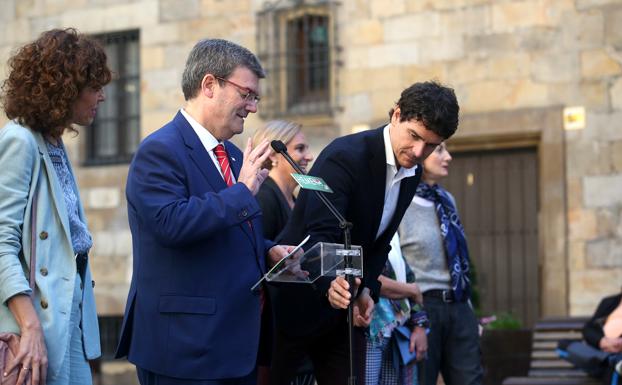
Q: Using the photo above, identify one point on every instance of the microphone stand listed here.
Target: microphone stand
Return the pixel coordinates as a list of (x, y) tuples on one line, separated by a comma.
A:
[(345, 227)]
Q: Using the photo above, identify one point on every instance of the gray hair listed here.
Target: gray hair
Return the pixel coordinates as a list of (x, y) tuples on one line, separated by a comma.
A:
[(217, 57)]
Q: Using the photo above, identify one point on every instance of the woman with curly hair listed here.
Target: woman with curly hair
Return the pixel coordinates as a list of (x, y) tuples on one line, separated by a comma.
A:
[(53, 82)]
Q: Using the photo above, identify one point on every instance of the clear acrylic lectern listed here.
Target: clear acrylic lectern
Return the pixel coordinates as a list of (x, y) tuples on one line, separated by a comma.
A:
[(321, 260)]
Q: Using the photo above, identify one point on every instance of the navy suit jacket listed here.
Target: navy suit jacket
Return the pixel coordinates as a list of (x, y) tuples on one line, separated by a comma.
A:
[(190, 312), (355, 167)]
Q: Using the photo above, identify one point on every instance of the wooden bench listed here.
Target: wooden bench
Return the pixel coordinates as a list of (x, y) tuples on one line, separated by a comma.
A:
[(546, 368)]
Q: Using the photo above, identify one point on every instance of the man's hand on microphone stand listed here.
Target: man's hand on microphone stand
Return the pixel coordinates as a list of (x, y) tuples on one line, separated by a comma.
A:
[(251, 173), (339, 292), (339, 298)]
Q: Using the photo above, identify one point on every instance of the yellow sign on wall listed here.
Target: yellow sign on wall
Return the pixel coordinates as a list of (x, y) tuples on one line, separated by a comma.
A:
[(574, 118)]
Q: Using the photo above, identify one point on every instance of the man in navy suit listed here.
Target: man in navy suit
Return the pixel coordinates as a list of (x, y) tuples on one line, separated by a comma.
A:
[(191, 317), (374, 175)]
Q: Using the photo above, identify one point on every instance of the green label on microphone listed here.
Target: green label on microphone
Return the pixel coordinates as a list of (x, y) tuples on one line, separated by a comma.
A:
[(311, 183)]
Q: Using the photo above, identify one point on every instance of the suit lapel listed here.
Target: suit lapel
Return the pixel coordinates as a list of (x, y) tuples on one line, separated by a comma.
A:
[(199, 154), (378, 172), (408, 187), (206, 166), (235, 162)]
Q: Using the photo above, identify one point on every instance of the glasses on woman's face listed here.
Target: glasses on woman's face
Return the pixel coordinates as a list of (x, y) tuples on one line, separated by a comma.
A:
[(247, 94)]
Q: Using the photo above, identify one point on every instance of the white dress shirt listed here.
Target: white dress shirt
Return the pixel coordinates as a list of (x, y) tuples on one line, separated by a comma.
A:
[(207, 139), (392, 183)]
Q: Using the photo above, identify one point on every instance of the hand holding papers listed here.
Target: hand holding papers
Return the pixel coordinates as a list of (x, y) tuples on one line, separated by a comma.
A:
[(321, 260), (288, 264)]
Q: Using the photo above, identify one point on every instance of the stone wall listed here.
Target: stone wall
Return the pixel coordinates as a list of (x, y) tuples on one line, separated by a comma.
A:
[(500, 56), (513, 56)]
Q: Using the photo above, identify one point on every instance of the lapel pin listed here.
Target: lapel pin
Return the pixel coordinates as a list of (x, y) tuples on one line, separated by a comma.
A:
[(233, 159)]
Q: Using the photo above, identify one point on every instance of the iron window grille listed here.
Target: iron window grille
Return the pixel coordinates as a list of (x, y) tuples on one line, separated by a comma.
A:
[(297, 47), (115, 132)]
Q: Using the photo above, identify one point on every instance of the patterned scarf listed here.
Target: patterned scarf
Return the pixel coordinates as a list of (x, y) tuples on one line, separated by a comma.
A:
[(454, 239)]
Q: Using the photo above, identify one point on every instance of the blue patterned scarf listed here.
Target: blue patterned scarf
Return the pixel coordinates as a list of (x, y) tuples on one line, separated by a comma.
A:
[(454, 239)]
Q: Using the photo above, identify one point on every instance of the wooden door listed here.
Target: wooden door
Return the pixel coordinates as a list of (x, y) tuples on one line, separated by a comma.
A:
[(496, 195)]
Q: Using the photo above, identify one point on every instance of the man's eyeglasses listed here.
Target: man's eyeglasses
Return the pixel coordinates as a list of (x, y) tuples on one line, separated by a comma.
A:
[(246, 93)]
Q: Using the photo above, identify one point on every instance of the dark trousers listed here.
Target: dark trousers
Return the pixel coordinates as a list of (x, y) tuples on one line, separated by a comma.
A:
[(328, 351), (453, 344), (146, 377)]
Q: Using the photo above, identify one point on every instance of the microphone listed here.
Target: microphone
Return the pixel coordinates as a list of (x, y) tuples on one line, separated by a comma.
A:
[(278, 146), (281, 148)]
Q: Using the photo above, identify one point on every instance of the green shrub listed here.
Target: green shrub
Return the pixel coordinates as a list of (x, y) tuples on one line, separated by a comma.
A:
[(505, 321)]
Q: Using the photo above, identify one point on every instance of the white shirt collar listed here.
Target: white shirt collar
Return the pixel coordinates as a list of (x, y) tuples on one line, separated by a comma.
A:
[(392, 182), (207, 139), (388, 150)]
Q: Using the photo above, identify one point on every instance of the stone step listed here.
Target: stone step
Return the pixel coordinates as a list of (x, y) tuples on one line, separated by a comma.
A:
[(541, 364), (549, 381), (544, 345), (544, 354), (556, 373), (556, 336)]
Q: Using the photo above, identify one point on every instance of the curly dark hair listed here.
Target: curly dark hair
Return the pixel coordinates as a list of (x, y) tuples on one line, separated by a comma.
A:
[(432, 104), (46, 77)]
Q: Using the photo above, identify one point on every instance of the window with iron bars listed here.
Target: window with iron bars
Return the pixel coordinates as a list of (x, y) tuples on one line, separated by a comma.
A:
[(296, 47), (115, 133)]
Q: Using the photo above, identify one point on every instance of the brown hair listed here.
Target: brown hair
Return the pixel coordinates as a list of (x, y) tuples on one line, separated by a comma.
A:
[(46, 77), (432, 104)]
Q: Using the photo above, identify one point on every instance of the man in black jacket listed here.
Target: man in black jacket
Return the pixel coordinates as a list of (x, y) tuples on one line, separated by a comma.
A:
[(604, 331), (374, 175), (596, 329)]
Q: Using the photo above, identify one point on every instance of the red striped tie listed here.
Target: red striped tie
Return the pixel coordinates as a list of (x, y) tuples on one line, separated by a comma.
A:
[(223, 160)]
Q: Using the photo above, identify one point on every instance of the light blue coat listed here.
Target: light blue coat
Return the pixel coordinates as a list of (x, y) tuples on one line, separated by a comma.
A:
[(24, 161)]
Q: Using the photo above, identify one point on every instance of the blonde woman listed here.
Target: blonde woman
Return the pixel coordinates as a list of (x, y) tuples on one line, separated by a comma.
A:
[(276, 199), (276, 195)]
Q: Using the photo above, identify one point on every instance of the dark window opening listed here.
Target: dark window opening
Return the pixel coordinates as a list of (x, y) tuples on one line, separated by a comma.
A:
[(297, 46), (308, 61), (115, 133), (109, 332)]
